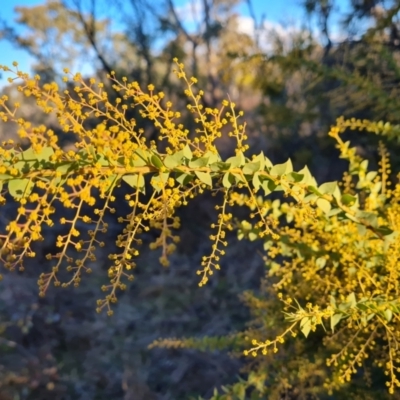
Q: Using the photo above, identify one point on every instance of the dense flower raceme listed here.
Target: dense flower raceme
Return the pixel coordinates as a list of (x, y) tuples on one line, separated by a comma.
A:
[(115, 151)]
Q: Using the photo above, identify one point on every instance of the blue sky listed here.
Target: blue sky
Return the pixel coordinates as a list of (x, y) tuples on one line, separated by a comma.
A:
[(278, 11)]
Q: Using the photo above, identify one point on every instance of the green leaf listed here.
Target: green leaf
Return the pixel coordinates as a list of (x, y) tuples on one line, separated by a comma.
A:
[(377, 187), (187, 152), (112, 179), (371, 175), (305, 326), (102, 160), (388, 314), (43, 155), (184, 178), (253, 236), (335, 319), (236, 161), (352, 218), (228, 180), (324, 205), (314, 190), (320, 262), (256, 181), (261, 159), (212, 157), (351, 298), (268, 163), (348, 199), (19, 188), (4, 177), (282, 169), (219, 166), (369, 217), (328, 188), (334, 211), (251, 168), (144, 155), (172, 160), (238, 177), (155, 161), (159, 181), (204, 177), (268, 186), (137, 161), (135, 181), (384, 230), (199, 162), (64, 168), (295, 177), (308, 178)]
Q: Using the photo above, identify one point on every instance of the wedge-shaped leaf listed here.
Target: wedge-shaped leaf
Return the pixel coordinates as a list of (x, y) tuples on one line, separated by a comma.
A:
[(172, 160), (295, 177), (384, 230), (308, 178), (5, 177), (159, 181), (256, 181), (144, 155), (111, 181), (238, 177), (388, 314), (137, 161), (199, 162), (348, 199), (45, 154), (364, 165), (65, 167), (268, 186), (187, 152), (351, 298), (28, 155), (155, 161), (371, 175), (135, 181), (212, 157), (251, 168), (282, 169), (102, 160), (204, 177), (219, 166), (377, 187), (352, 218), (334, 211), (184, 179), (335, 319), (20, 188), (253, 236), (236, 161), (369, 217), (314, 190), (327, 188), (305, 326), (261, 159), (324, 205), (228, 180), (268, 163), (320, 262), (27, 161)]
